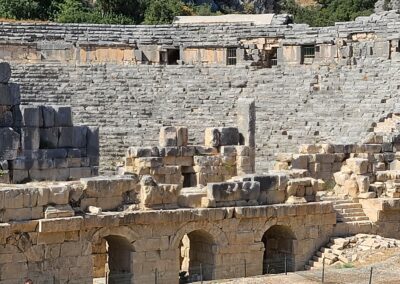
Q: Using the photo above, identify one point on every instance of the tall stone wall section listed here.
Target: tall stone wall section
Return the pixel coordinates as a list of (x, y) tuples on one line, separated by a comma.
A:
[(335, 99), (130, 103)]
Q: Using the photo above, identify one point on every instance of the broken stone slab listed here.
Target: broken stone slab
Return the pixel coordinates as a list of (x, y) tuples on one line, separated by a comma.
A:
[(168, 137)]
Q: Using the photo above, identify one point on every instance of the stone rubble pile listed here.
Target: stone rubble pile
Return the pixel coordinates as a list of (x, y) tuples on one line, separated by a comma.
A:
[(341, 251)]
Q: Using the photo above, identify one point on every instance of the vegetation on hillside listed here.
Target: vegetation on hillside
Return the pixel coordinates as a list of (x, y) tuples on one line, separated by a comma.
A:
[(326, 12)]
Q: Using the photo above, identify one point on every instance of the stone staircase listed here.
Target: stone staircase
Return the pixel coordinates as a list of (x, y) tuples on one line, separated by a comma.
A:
[(347, 211), (317, 260), (351, 220)]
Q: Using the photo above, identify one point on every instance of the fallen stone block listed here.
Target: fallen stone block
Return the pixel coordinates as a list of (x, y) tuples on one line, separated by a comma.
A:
[(138, 152)]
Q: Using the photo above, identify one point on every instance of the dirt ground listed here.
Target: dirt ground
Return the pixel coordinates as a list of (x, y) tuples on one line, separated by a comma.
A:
[(385, 265)]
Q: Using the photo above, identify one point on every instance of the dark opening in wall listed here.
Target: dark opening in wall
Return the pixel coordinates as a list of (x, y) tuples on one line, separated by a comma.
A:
[(169, 56), (231, 56), (273, 57), (189, 180), (308, 54)]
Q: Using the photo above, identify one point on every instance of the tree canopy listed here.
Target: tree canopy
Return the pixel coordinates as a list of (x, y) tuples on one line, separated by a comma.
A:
[(324, 13)]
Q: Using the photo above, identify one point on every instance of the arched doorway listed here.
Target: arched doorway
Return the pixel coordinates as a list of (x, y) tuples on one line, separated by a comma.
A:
[(278, 254), (112, 260), (197, 258)]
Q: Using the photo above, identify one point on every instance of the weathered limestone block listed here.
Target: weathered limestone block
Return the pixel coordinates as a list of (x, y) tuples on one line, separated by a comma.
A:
[(212, 137), (230, 191), (30, 138), (138, 152), (58, 211), (300, 161), (104, 187), (284, 157), (357, 165), (9, 143), (93, 144), (63, 116), (30, 116), (191, 197), (9, 94), (229, 136), (351, 187), (79, 139), (5, 72), (153, 195), (66, 136), (168, 137), (363, 183), (47, 116), (59, 194), (341, 177), (48, 138), (182, 135)]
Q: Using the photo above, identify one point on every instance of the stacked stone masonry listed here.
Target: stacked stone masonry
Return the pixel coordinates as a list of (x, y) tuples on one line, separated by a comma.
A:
[(351, 69), (40, 142), (193, 205)]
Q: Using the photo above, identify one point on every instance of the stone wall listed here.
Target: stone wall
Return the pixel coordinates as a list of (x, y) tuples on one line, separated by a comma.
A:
[(68, 250), (334, 97), (131, 103)]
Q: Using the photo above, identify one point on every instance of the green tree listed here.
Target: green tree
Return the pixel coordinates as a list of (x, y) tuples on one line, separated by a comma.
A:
[(28, 9), (73, 11), (163, 11)]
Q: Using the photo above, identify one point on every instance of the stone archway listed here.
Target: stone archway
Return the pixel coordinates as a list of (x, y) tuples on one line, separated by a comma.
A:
[(112, 252), (279, 249), (198, 245), (197, 256)]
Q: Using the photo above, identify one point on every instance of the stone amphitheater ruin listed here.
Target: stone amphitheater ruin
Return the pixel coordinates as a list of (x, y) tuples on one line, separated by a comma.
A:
[(233, 146)]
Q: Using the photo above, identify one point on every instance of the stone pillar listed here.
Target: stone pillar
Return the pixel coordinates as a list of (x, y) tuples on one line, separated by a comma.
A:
[(246, 121)]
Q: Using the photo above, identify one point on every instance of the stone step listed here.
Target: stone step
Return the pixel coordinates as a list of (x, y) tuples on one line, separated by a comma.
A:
[(353, 210), (347, 206), (361, 214), (315, 264), (350, 219)]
